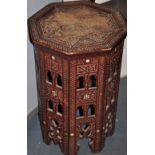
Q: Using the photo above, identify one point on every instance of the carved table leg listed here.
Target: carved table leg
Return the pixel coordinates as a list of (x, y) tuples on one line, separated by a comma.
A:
[(46, 138), (97, 145)]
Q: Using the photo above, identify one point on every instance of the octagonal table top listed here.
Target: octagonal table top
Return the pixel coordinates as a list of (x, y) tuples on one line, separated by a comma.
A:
[(77, 27)]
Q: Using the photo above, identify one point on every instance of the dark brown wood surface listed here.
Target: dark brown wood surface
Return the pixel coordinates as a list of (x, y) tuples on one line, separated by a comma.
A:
[(77, 94), (91, 28)]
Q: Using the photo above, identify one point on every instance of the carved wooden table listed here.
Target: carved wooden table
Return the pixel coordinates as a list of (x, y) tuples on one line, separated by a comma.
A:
[(78, 50)]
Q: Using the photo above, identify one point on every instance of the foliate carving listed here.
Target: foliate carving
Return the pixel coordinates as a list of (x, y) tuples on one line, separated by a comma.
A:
[(86, 96), (54, 92)]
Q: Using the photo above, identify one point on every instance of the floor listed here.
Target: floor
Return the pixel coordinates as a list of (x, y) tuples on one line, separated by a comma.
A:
[(115, 145)]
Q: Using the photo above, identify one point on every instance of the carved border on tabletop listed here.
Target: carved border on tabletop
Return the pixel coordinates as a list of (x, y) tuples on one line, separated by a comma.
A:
[(111, 38)]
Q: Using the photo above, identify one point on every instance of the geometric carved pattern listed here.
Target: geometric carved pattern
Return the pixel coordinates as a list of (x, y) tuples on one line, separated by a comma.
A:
[(69, 27), (83, 69), (56, 67), (77, 27), (85, 130), (87, 100), (56, 132), (78, 51), (112, 86)]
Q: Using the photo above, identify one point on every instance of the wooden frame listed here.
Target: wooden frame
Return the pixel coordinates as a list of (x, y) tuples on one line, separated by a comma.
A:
[(102, 61)]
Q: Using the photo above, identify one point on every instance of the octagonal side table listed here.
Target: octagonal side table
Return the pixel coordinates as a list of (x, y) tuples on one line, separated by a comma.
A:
[(78, 49)]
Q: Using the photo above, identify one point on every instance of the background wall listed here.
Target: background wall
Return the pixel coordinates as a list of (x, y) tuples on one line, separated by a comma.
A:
[(32, 7), (124, 60)]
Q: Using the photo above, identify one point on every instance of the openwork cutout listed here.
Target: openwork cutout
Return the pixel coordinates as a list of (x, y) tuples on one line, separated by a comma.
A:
[(79, 112), (80, 82), (60, 111), (59, 80), (92, 81), (50, 105), (55, 123), (49, 77), (109, 76), (115, 65), (91, 110), (85, 127)]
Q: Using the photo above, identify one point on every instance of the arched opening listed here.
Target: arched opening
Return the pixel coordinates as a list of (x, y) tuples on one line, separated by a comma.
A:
[(49, 77), (92, 81), (60, 111), (50, 105), (59, 80), (79, 112), (91, 110), (80, 82)]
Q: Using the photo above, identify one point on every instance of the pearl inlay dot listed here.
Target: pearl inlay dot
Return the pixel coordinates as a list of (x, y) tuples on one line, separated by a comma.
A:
[(53, 57), (87, 60)]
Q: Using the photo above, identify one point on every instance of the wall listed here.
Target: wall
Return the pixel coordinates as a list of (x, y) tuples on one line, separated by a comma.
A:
[(124, 60), (32, 7)]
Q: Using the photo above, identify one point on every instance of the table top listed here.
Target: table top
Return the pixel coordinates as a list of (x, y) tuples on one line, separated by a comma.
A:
[(77, 27)]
